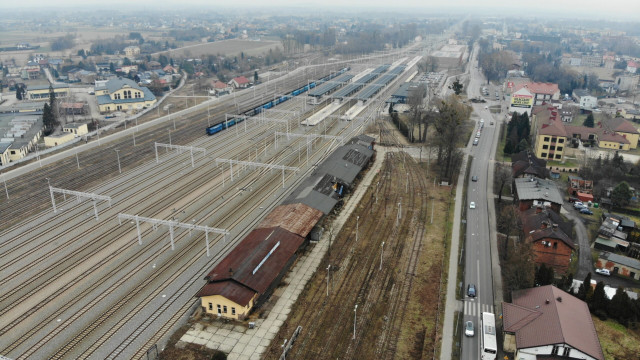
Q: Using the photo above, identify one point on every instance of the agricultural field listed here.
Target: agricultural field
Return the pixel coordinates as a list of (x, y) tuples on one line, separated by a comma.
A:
[(226, 47), (399, 293)]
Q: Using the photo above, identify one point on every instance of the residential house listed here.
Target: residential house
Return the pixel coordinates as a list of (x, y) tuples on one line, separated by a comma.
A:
[(549, 236), (547, 323), (123, 95), (4, 152), (530, 192), (239, 82), (623, 128), (619, 264), (586, 100), (632, 66), (526, 164), (549, 133), (154, 65), (219, 88), (131, 51), (170, 69)]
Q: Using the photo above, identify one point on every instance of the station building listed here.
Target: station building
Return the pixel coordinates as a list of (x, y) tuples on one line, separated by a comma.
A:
[(37, 92), (123, 95), (247, 276)]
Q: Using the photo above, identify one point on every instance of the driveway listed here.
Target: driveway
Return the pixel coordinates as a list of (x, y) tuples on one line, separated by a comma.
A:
[(584, 249)]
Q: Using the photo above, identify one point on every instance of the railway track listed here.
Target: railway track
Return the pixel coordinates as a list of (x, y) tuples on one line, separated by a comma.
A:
[(145, 263)]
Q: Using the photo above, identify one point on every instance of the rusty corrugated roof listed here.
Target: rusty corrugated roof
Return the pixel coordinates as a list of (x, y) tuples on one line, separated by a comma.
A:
[(296, 218), (258, 259), (564, 319)]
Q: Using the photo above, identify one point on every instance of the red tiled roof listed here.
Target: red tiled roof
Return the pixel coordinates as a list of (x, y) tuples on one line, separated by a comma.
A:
[(620, 125), (258, 259), (539, 88), (230, 289), (296, 218), (241, 80), (551, 233), (613, 137), (220, 85), (632, 63), (563, 320), (552, 127)]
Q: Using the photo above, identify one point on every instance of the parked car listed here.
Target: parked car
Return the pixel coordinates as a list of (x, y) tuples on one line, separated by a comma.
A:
[(573, 200), (578, 205), (584, 210), (478, 134), (468, 328), (471, 290), (475, 141), (472, 205), (604, 272), (474, 178)]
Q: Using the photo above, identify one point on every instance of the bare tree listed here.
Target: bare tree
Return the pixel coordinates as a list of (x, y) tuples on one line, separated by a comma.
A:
[(502, 177), (416, 104), (448, 124)]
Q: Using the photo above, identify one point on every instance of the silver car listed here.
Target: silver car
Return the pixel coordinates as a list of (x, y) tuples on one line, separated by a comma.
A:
[(468, 328)]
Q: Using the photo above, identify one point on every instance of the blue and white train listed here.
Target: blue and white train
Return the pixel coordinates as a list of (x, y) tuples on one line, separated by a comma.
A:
[(214, 129)]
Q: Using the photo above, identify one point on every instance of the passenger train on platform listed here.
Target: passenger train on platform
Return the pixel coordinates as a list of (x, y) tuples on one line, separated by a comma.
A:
[(214, 129)]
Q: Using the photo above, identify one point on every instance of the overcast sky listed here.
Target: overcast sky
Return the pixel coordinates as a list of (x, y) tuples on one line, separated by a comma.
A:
[(598, 9)]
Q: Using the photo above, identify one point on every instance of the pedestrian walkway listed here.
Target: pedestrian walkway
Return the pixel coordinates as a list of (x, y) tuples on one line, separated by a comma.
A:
[(242, 343)]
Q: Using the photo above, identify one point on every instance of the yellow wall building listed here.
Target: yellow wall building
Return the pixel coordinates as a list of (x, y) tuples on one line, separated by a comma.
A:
[(76, 129), (37, 92), (123, 95), (55, 140), (221, 306), (549, 134), (624, 128), (4, 153)]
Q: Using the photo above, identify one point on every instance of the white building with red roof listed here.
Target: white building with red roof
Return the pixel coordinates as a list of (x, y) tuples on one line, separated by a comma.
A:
[(542, 92), (632, 66), (239, 82)]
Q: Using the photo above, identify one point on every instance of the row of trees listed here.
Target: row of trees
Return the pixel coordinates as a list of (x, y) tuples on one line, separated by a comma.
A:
[(518, 132), (63, 43), (620, 307)]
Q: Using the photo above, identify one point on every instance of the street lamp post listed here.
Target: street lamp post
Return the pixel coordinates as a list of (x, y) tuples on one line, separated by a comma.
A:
[(328, 270), (354, 321), (381, 252), (118, 154)]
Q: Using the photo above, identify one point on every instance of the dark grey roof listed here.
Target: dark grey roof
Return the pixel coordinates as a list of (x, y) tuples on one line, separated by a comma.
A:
[(622, 260), (4, 146), (106, 99), (340, 168), (355, 86), (537, 189), (329, 86), (46, 86)]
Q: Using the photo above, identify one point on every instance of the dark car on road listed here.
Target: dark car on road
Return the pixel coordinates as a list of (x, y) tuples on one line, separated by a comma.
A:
[(471, 290)]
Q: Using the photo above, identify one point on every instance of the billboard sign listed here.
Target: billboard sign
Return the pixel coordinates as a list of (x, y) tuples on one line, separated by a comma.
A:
[(521, 101)]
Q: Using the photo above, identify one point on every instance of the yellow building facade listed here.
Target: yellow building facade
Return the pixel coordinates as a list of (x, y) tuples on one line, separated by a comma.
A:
[(55, 140), (76, 129), (615, 145), (123, 95), (42, 91), (221, 306)]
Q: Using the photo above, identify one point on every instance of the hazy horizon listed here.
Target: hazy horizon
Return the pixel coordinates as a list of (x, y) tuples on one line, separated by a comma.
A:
[(614, 10)]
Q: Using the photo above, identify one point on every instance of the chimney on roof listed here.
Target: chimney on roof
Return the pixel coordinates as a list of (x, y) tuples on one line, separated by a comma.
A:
[(230, 272), (559, 298), (555, 226), (538, 209), (546, 301)]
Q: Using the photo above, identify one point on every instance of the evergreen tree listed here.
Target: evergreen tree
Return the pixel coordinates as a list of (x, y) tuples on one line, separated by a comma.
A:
[(599, 300), (19, 92), (589, 121), (48, 119), (456, 87), (621, 194), (544, 275), (620, 306), (585, 291)]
